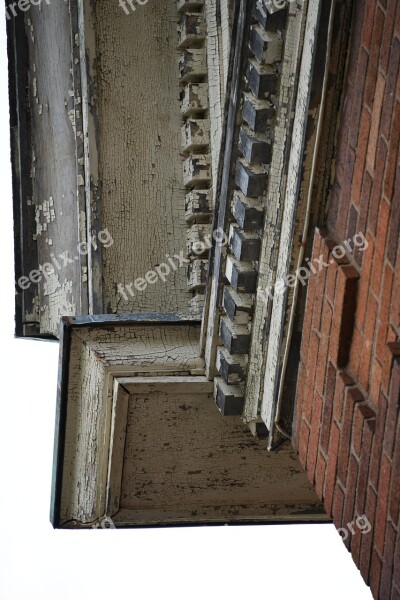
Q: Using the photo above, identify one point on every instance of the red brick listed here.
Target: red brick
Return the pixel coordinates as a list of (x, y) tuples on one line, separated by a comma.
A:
[(383, 314), (308, 313), (395, 593), (304, 435), (365, 362), (344, 314), (362, 482), (310, 381), (396, 563), (393, 410), (328, 406), (375, 123), (366, 542), (340, 224), (376, 192), (356, 350), (375, 573), (337, 507), (350, 499), (323, 348), (320, 471), (394, 223), (362, 412), (352, 397), (366, 190), (375, 381), (357, 100), (380, 245), (316, 322), (393, 153), (394, 499), (388, 360), (314, 436), (363, 285), (353, 216), (395, 304), (330, 283), (387, 35), (397, 21), (383, 499), (390, 94), (301, 380), (368, 24), (343, 380), (361, 151), (374, 58), (330, 479), (388, 559), (378, 441)]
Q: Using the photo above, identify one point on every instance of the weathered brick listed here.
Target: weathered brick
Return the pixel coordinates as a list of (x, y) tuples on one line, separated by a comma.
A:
[(314, 436), (350, 499), (388, 559), (358, 173), (320, 471), (393, 153), (383, 313), (368, 23), (310, 381), (357, 343), (383, 499), (390, 94), (330, 479), (395, 304), (330, 283), (343, 380), (362, 412), (366, 190), (366, 542), (374, 58), (375, 122), (354, 216), (388, 360), (394, 223), (393, 411), (380, 245), (396, 563), (365, 363), (375, 380), (300, 387), (376, 192), (387, 35), (304, 435), (352, 397), (378, 441), (394, 499), (374, 578), (319, 290), (337, 507), (362, 64), (308, 313), (329, 394), (363, 285), (343, 314), (323, 347), (362, 482)]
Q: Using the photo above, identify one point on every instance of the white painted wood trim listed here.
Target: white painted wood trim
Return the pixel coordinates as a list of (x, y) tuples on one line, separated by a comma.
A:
[(271, 378), (274, 210)]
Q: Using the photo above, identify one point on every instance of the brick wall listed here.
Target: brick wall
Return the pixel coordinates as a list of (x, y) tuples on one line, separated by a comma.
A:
[(347, 427)]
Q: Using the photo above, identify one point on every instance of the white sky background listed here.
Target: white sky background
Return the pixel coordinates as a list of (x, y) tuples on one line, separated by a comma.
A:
[(38, 563)]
